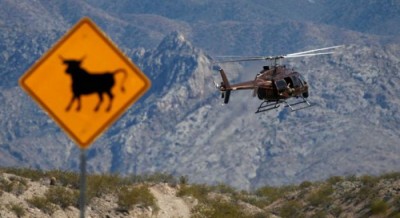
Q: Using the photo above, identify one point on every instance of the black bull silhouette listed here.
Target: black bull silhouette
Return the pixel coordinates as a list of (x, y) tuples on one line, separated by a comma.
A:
[(85, 83)]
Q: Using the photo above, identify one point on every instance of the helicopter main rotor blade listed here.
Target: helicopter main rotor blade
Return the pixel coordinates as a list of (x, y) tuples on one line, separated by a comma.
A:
[(314, 50), (251, 59), (309, 55)]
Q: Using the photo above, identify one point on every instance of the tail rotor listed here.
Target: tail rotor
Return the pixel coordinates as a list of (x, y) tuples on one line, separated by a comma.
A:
[(224, 87)]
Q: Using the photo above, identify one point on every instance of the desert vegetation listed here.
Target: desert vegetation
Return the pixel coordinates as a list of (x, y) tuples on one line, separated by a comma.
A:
[(351, 196)]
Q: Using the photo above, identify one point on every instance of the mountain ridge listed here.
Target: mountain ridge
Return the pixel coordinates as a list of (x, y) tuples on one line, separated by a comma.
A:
[(180, 127)]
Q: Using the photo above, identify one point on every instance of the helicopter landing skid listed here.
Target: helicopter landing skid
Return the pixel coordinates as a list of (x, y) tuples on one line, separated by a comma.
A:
[(303, 104), (268, 105)]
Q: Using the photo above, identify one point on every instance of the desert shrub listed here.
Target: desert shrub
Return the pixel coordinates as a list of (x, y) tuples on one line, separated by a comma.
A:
[(366, 193), (62, 196), (222, 209), (34, 175), (141, 195), (305, 184), (378, 207), (319, 214), (369, 188), (321, 197), (396, 203), (351, 178), (336, 211), (200, 210), (183, 180), (65, 178), (274, 193), (291, 209), (259, 215), (16, 185), (334, 180), (395, 215), (43, 204), (97, 185), (255, 200), (199, 192), (5, 185), (154, 178), (369, 181), (392, 175), (17, 209), (223, 189), (218, 208)]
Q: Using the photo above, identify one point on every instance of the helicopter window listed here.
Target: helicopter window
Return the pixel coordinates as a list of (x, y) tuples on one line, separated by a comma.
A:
[(296, 81), (280, 85), (289, 81)]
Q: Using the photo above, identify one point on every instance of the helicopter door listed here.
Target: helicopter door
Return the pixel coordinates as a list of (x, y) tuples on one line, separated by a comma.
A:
[(289, 81)]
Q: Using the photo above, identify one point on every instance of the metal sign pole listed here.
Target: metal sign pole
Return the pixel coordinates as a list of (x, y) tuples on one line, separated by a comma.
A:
[(82, 196)]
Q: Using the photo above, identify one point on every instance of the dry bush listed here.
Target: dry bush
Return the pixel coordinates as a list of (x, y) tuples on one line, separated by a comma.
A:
[(128, 197)]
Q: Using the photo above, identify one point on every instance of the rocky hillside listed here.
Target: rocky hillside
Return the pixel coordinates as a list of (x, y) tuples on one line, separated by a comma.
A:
[(180, 127), (27, 193)]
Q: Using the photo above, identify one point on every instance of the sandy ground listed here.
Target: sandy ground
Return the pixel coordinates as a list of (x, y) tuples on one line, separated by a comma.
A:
[(169, 205)]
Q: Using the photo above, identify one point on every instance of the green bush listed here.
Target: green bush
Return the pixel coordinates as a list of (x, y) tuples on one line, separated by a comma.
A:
[(222, 209), (62, 197), (321, 197), (199, 192), (17, 209), (65, 178), (5, 185), (183, 180), (154, 178), (141, 195), (305, 184), (378, 207), (392, 175), (369, 181), (274, 193), (97, 185), (334, 180), (319, 214), (291, 209), (34, 175), (395, 215), (336, 211), (43, 204), (396, 203), (223, 189), (15, 186), (257, 201), (351, 178)]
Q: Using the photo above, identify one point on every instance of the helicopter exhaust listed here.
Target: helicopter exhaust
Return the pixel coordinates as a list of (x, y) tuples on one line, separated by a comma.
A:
[(225, 87)]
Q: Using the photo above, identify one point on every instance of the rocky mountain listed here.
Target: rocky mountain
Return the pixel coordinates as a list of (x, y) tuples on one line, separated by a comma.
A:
[(180, 127)]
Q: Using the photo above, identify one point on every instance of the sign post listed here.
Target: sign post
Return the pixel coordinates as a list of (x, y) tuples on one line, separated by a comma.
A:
[(82, 186), (85, 83)]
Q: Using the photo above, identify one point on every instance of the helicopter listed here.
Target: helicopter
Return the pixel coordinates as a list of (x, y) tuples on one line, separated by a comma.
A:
[(275, 84)]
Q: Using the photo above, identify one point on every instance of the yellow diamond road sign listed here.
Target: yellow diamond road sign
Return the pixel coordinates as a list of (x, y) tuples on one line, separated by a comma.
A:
[(84, 82)]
